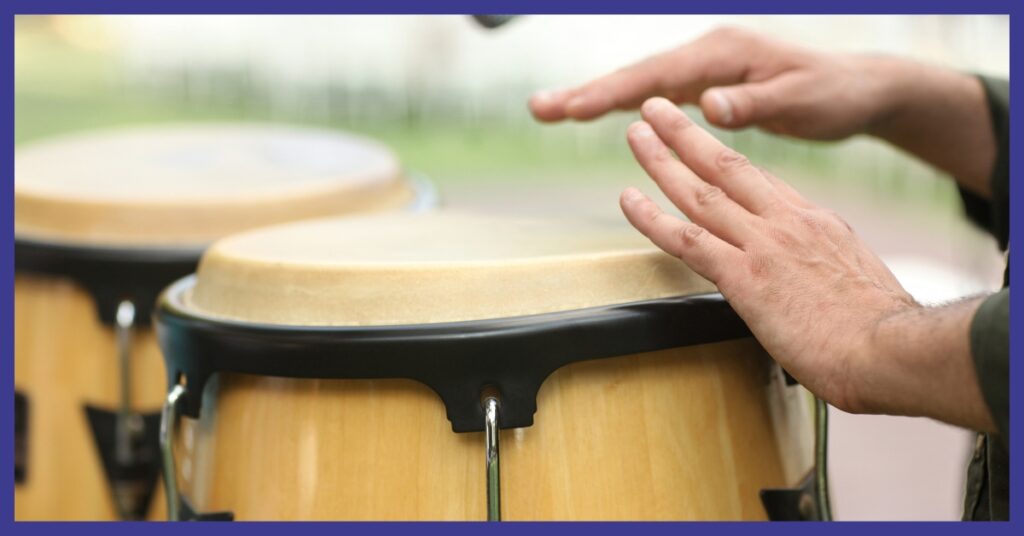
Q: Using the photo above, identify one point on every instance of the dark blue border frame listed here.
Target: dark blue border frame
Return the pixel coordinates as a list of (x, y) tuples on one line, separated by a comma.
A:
[(13, 7)]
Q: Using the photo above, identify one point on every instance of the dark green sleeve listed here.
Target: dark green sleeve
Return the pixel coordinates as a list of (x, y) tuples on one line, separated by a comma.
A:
[(988, 490), (994, 215), (990, 327), (990, 346)]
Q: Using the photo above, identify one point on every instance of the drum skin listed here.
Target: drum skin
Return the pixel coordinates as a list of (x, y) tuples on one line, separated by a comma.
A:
[(65, 358), (680, 434)]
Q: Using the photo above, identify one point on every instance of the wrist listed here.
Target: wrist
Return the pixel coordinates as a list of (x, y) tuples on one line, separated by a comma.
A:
[(936, 114), (893, 92), (917, 362), (875, 360)]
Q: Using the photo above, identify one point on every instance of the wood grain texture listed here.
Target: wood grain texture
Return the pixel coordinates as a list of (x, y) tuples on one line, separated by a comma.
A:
[(678, 434), (65, 358)]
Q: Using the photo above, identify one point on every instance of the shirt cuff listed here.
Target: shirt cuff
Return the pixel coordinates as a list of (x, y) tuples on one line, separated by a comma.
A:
[(990, 347)]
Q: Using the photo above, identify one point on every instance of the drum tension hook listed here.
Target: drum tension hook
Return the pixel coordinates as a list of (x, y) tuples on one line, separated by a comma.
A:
[(809, 501)]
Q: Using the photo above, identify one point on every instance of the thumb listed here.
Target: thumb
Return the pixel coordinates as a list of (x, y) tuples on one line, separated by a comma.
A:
[(745, 104)]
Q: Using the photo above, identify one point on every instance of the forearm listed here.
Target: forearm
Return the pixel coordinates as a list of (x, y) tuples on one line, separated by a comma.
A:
[(919, 363), (940, 116)]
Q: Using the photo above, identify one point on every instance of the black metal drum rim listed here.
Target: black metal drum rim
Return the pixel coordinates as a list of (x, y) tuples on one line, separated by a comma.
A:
[(456, 359)]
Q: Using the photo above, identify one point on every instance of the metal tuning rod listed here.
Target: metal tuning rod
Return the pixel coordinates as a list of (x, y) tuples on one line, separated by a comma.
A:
[(128, 422), (491, 407)]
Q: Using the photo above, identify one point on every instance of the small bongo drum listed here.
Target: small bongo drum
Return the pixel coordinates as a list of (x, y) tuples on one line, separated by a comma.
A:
[(363, 368), (105, 221)]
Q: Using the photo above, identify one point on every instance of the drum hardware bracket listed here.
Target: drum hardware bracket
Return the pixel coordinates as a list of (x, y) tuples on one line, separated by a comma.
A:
[(187, 513), (455, 359), (20, 437), (132, 480), (109, 274), (809, 501), (792, 504)]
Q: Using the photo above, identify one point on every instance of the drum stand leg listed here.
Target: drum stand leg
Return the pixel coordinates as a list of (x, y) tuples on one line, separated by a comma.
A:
[(168, 422), (491, 406)]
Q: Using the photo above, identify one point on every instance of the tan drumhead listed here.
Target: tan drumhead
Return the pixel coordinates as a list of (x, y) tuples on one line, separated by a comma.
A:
[(424, 268), (190, 184)]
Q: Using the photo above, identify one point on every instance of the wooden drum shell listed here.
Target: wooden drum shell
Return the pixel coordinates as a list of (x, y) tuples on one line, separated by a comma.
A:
[(687, 434), (65, 358)]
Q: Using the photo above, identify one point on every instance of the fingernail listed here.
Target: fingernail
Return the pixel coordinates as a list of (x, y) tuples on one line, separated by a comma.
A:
[(641, 129), (653, 103), (632, 194), (724, 106)]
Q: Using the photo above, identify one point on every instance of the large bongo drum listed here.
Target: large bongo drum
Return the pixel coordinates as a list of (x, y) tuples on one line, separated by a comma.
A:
[(362, 369), (103, 222)]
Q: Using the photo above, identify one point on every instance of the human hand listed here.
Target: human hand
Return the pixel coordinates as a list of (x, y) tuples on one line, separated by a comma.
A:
[(814, 295), (740, 78), (807, 286)]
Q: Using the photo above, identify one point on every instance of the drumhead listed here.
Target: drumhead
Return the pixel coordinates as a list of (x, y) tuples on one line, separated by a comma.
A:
[(189, 184), (398, 269)]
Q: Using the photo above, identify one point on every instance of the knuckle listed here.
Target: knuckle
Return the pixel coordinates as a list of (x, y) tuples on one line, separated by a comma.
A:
[(661, 155), (810, 220), (690, 235), (708, 194), (760, 264), (729, 160), (653, 213), (781, 237), (839, 220)]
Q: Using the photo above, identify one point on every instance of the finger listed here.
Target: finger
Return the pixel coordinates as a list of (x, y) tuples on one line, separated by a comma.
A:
[(708, 157), (786, 191), (623, 89), (749, 104), (705, 204), (680, 75), (705, 253), (549, 106)]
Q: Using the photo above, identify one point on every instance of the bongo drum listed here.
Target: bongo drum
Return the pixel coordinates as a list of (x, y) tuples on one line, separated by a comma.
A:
[(103, 222), (363, 368)]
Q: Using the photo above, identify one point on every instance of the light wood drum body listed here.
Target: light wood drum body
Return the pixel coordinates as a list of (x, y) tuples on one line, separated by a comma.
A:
[(680, 432), (108, 218), (65, 362)]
